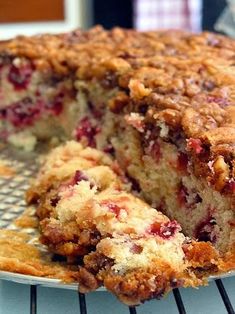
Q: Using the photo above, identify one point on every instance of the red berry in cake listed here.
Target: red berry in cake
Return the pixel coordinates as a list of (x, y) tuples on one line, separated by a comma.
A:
[(136, 249), (231, 186), (23, 112), (56, 105), (164, 230), (195, 144), (114, 208), (79, 176), (19, 77), (86, 130)]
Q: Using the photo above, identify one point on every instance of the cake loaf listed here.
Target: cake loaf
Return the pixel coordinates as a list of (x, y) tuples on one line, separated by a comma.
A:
[(88, 215), (161, 103)]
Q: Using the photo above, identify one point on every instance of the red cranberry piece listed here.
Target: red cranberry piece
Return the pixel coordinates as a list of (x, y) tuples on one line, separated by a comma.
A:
[(114, 208), (195, 144), (155, 228), (231, 186), (23, 112), (87, 130), (205, 231), (20, 76), (38, 93), (182, 162), (136, 249), (79, 176), (56, 106), (232, 223), (165, 230)]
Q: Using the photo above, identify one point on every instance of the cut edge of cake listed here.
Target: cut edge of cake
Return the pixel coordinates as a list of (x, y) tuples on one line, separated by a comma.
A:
[(90, 216)]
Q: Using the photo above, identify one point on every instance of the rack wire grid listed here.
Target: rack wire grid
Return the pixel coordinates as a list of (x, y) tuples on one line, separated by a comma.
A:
[(12, 191)]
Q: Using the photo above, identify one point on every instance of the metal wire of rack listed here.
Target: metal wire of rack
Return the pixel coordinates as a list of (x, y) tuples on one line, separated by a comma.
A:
[(14, 190), (133, 310)]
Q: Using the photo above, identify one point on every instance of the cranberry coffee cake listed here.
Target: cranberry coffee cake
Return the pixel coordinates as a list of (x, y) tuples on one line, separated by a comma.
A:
[(88, 215), (160, 103)]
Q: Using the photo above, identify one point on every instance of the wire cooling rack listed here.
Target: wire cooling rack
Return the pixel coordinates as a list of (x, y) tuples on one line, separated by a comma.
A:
[(12, 204)]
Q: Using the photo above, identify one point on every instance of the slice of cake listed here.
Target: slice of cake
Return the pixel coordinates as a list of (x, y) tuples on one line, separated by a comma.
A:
[(60, 164), (162, 103), (133, 250)]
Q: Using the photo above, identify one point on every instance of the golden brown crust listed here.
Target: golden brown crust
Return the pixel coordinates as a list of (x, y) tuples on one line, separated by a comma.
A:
[(132, 287), (138, 285), (201, 254), (227, 262)]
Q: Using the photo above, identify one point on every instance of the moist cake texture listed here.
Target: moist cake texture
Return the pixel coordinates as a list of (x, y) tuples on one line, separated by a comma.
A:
[(161, 103), (91, 218)]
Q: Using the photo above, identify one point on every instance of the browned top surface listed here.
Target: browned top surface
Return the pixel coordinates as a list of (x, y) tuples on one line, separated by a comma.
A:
[(185, 79)]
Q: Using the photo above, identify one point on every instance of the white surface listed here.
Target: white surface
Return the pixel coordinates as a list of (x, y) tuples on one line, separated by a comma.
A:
[(14, 299), (76, 15)]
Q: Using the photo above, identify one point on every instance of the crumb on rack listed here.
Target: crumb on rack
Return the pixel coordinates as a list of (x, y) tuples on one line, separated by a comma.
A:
[(27, 219), (6, 170)]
